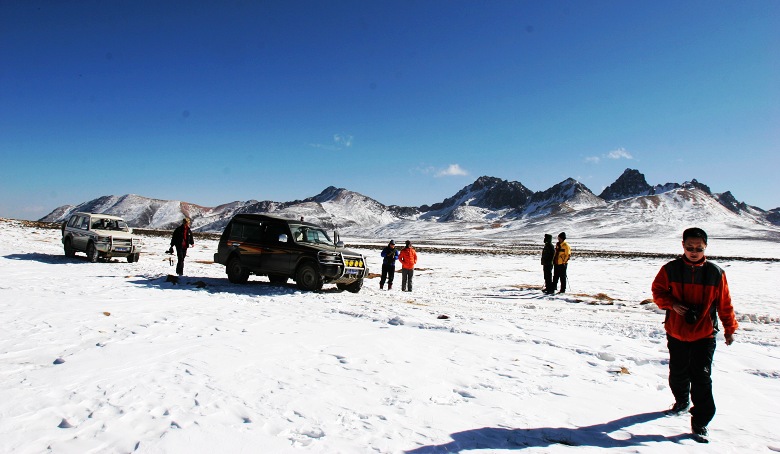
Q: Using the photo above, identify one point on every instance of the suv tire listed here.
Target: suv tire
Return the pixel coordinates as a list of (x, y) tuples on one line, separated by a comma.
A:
[(133, 258), (69, 251), (308, 277), (92, 252), (237, 274)]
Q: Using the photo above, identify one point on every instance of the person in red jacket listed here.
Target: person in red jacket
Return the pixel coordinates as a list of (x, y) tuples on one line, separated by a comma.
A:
[(694, 292), (408, 258), (181, 240)]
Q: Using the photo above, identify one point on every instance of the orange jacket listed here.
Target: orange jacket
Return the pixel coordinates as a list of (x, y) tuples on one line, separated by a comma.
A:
[(408, 258), (701, 286)]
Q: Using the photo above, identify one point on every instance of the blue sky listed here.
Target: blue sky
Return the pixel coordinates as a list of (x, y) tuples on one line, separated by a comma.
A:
[(404, 101)]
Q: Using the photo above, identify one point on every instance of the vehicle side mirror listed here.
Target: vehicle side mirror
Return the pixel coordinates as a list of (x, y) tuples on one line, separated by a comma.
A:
[(129, 230), (339, 244), (283, 238)]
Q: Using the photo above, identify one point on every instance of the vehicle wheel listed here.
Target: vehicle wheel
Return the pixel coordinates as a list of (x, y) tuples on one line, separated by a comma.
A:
[(308, 277), (92, 252), (353, 287), (277, 279), (69, 251), (236, 272), (133, 258)]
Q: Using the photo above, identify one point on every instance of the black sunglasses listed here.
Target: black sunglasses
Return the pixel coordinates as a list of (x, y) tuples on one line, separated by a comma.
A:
[(697, 249)]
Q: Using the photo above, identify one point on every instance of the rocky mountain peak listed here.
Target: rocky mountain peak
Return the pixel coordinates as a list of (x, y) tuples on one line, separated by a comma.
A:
[(630, 184)]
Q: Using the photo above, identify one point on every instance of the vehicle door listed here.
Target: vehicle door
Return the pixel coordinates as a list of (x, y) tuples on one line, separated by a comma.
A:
[(246, 238), (80, 231), (275, 256)]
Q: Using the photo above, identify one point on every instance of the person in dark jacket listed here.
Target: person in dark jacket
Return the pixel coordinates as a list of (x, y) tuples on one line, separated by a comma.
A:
[(181, 240), (548, 254), (390, 255), (694, 292)]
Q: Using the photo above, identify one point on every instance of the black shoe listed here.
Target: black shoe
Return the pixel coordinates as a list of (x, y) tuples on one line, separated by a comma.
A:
[(700, 433), (678, 408)]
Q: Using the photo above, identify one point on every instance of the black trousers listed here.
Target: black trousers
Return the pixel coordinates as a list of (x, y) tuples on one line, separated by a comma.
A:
[(181, 252), (388, 272), (548, 285), (406, 279), (559, 272), (690, 373)]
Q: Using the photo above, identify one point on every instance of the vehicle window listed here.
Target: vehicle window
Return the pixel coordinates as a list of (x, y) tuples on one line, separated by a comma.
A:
[(74, 221), (253, 233), (237, 232), (273, 231), (244, 232), (306, 234), (84, 223)]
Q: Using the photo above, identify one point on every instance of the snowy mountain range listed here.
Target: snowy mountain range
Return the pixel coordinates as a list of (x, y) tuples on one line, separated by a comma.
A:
[(488, 208)]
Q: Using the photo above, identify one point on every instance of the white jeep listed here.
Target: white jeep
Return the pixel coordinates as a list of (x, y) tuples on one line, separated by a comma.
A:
[(100, 236)]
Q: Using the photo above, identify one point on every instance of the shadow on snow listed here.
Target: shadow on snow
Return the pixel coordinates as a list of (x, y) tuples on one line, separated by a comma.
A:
[(48, 258), (596, 435), (222, 285)]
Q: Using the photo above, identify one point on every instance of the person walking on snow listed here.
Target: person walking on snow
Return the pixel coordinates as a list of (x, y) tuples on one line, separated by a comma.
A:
[(548, 254), (390, 254), (694, 292), (408, 258), (560, 262), (181, 240)]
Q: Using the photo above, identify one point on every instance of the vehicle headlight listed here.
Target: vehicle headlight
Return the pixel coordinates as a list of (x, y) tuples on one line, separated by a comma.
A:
[(104, 239), (355, 263)]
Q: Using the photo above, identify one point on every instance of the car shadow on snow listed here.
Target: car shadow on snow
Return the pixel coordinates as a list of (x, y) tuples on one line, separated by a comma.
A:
[(597, 435), (47, 258), (221, 285)]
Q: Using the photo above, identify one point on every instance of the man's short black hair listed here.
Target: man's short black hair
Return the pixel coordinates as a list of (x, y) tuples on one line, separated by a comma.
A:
[(695, 232)]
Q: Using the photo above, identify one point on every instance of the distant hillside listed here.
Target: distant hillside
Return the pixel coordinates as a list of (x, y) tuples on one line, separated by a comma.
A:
[(488, 207)]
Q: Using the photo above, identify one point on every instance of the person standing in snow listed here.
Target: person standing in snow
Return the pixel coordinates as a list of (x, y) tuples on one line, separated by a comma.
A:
[(390, 254), (560, 262), (181, 240), (694, 292), (548, 254), (408, 258)]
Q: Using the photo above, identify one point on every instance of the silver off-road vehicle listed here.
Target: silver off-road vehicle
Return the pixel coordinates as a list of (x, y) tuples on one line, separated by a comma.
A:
[(100, 236)]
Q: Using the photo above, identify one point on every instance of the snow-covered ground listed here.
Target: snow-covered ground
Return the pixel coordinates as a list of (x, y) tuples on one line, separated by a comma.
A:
[(109, 357)]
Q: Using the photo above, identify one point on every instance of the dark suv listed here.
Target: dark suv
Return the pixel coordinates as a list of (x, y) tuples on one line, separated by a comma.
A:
[(282, 249)]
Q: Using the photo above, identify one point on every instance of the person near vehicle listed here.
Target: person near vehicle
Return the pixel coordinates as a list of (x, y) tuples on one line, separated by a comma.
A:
[(694, 292), (408, 258), (181, 240), (548, 254), (560, 262), (390, 255)]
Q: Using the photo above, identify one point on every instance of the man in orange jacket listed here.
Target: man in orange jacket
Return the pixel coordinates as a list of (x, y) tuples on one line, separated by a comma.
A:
[(408, 258), (694, 292)]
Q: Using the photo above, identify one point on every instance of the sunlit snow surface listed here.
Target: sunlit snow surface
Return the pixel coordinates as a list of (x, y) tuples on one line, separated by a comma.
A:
[(109, 357)]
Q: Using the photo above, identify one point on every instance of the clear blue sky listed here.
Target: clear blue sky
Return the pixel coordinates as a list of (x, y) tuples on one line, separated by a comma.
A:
[(403, 101)]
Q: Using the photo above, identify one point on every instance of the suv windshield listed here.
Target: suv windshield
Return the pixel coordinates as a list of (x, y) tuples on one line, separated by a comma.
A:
[(109, 224), (307, 234)]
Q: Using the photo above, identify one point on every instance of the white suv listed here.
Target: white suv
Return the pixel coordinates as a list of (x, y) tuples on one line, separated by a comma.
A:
[(100, 236)]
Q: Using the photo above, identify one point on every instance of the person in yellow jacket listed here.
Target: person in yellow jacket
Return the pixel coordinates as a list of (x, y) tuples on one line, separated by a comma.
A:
[(560, 262), (408, 258)]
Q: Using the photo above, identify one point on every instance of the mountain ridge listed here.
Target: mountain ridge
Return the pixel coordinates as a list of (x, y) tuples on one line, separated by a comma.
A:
[(627, 203)]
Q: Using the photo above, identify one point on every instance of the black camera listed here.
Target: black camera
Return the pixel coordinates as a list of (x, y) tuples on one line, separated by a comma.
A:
[(692, 315), (169, 251)]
